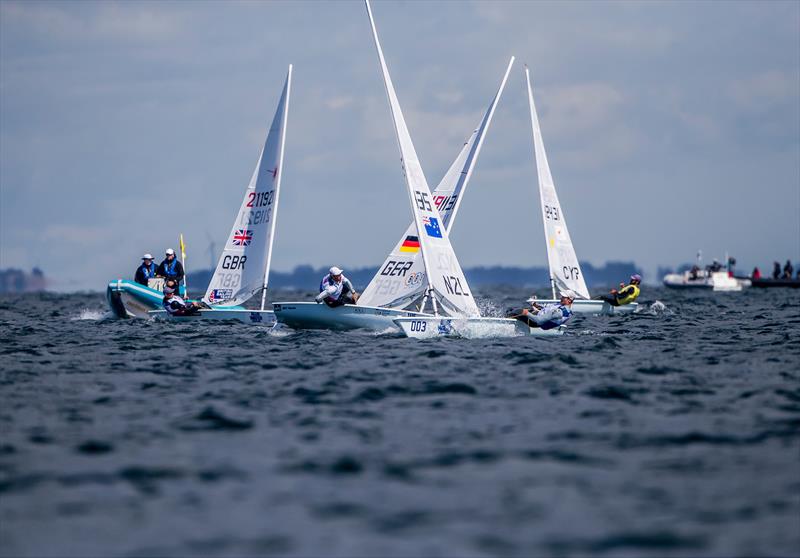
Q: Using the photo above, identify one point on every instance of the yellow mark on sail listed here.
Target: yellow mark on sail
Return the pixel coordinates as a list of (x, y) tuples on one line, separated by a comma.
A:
[(552, 241)]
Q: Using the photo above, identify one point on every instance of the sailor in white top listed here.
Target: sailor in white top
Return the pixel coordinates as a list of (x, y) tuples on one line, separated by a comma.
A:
[(336, 290)]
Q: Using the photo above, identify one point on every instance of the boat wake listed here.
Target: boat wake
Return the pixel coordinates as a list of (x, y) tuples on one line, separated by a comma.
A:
[(489, 308), (658, 308), (94, 315)]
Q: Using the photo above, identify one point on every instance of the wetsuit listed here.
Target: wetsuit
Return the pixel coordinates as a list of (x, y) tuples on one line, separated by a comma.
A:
[(171, 270), (336, 294), (175, 306), (145, 272), (625, 295), (550, 316)]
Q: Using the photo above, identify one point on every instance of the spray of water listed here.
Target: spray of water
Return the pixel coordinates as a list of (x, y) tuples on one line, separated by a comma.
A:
[(87, 314), (658, 308)]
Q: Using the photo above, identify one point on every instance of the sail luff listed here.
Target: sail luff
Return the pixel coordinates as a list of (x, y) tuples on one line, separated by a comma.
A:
[(287, 90), (565, 271)]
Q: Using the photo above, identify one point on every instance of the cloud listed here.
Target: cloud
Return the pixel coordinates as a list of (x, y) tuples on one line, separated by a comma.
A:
[(130, 21), (338, 103), (762, 91)]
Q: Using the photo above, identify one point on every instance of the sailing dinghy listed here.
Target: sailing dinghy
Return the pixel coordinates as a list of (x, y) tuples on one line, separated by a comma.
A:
[(243, 268), (444, 283), (565, 270), (399, 285)]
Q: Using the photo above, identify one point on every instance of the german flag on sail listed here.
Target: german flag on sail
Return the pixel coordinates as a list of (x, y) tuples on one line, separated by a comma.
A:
[(410, 244)]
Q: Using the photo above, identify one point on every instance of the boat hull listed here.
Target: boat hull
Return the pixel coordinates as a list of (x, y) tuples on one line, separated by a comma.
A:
[(773, 283), (244, 315), (595, 307), (128, 299), (717, 281), (310, 315), (470, 328)]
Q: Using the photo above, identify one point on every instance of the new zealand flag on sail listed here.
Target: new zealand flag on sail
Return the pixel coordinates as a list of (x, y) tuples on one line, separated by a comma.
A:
[(432, 227)]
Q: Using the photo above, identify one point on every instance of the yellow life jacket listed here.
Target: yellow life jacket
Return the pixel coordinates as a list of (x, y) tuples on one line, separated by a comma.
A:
[(628, 294)]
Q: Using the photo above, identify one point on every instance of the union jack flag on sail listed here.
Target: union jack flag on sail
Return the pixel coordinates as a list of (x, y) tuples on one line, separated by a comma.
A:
[(242, 237)]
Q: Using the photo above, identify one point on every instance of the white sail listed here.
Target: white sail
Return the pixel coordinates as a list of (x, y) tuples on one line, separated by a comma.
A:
[(565, 271), (400, 280), (444, 274), (243, 267)]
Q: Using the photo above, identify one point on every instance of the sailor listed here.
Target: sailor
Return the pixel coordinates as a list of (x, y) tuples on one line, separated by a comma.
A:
[(336, 290), (170, 268), (788, 270), (625, 294), (176, 306), (548, 316), (146, 271)]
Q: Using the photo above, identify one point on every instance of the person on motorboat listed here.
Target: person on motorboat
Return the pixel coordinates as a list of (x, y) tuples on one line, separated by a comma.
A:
[(715, 266), (146, 271), (756, 273), (625, 294), (176, 306), (336, 290), (170, 267), (776, 270), (548, 316), (788, 270)]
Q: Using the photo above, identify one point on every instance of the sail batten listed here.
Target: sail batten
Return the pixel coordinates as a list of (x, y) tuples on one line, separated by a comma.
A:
[(565, 270), (243, 267)]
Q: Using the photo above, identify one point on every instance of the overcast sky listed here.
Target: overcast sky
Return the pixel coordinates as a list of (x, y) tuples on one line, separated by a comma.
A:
[(670, 127)]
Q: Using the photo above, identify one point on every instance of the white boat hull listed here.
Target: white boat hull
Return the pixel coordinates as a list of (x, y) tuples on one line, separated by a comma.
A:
[(718, 281), (244, 315), (310, 315), (470, 328), (595, 307)]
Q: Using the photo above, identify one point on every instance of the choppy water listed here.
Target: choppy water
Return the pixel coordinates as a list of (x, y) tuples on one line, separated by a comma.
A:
[(675, 431)]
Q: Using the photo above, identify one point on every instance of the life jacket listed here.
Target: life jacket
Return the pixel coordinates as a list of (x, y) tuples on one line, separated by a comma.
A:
[(552, 315), (169, 267), (149, 271), (631, 293), (327, 282), (175, 305)]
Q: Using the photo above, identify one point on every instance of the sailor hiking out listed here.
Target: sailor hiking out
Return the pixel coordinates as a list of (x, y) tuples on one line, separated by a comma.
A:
[(548, 316), (146, 271), (336, 290), (176, 306), (625, 294)]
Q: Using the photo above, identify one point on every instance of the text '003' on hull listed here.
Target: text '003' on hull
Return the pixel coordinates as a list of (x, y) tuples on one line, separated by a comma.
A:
[(470, 328)]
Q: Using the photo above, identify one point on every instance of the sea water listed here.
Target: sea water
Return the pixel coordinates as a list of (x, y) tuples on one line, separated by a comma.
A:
[(671, 432)]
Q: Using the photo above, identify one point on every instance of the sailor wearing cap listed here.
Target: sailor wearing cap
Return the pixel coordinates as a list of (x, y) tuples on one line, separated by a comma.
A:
[(176, 306), (548, 316), (146, 271), (625, 294), (170, 267), (336, 290)]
